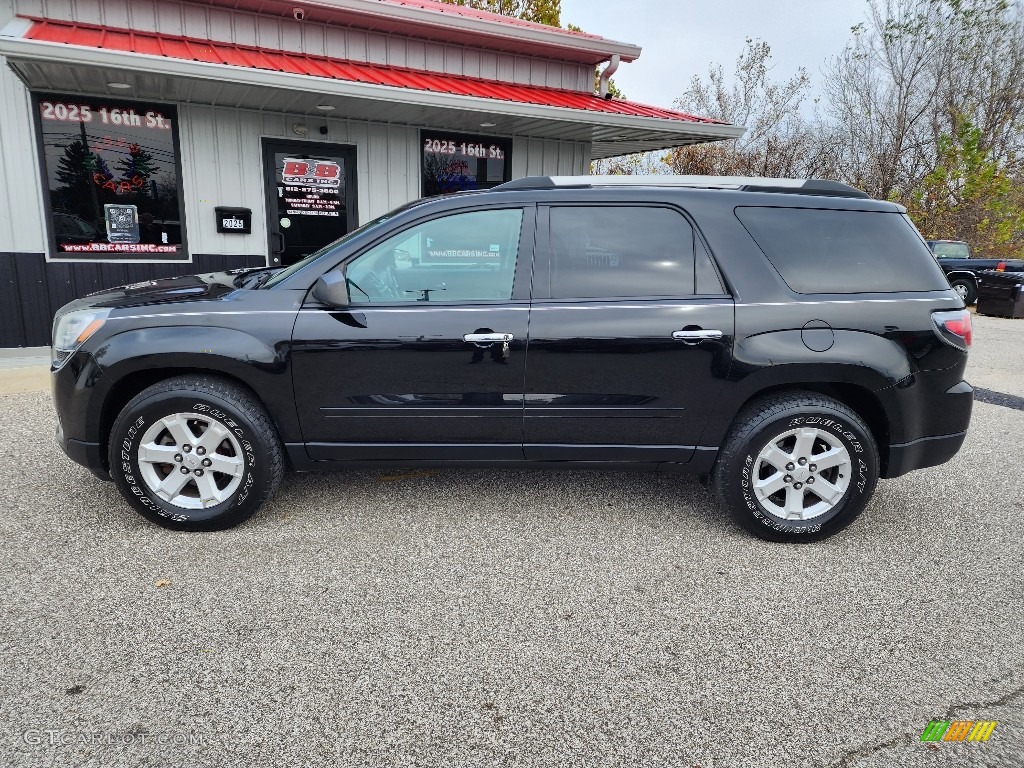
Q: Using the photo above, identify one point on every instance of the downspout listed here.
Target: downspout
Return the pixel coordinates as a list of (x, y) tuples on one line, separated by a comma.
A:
[(606, 75)]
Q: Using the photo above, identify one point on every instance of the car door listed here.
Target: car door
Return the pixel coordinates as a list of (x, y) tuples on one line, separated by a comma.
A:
[(630, 335), (427, 361)]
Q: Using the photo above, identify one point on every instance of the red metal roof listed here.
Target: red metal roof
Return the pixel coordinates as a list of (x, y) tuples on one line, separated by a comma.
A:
[(473, 13), (232, 55)]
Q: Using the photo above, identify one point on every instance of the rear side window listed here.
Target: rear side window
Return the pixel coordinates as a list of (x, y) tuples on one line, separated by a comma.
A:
[(606, 251), (825, 251)]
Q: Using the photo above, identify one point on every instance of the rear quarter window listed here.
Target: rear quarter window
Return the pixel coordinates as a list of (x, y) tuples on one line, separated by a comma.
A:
[(827, 251)]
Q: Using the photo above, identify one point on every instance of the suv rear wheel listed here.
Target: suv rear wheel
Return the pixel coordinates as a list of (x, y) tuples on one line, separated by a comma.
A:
[(195, 453), (796, 467)]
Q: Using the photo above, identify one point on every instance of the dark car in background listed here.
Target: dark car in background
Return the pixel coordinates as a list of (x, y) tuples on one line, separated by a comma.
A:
[(792, 340), (962, 271)]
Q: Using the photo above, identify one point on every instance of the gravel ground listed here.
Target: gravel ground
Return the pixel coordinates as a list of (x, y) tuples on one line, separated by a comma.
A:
[(508, 618), (997, 355)]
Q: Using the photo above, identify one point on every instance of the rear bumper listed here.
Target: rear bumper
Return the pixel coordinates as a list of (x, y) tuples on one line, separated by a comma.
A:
[(935, 422), (924, 452)]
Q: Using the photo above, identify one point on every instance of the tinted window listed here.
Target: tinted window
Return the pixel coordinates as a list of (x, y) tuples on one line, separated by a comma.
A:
[(604, 251), (823, 251), (706, 280), (111, 172), (464, 257)]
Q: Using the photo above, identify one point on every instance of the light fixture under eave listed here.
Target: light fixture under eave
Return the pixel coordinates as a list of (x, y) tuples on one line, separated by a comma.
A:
[(119, 86), (326, 107), (487, 125)]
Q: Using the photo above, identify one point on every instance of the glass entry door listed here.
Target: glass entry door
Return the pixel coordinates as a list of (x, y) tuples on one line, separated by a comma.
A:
[(311, 196)]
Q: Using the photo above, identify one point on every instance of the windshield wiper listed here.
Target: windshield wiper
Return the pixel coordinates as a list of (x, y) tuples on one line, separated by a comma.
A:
[(256, 278)]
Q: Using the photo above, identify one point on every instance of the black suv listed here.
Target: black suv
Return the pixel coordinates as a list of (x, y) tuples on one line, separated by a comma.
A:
[(793, 340)]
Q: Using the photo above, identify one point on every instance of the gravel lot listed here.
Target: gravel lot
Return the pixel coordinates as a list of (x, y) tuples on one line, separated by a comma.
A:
[(513, 618)]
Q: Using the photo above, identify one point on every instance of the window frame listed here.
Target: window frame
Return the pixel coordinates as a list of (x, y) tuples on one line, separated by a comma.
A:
[(543, 262), (522, 276), (53, 252), (505, 143)]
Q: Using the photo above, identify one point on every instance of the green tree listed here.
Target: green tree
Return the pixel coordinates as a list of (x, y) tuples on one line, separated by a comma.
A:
[(540, 11), (970, 195)]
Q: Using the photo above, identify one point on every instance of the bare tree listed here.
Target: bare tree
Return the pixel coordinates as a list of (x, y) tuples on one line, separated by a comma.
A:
[(913, 72), (780, 140)]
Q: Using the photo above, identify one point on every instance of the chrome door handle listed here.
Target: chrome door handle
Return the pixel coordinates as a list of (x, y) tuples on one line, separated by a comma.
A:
[(696, 336), (488, 338)]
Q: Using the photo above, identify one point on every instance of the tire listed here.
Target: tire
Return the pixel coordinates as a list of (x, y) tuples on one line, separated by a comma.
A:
[(166, 429), (795, 512), (966, 288)]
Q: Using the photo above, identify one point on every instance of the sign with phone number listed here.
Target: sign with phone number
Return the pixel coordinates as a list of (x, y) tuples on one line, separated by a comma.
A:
[(86, 113), (469, 149)]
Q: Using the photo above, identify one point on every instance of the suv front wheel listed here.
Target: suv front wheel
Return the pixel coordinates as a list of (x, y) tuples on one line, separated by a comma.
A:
[(796, 467), (195, 453)]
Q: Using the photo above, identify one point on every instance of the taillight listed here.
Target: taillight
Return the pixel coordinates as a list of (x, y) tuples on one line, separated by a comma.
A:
[(953, 327), (1001, 266)]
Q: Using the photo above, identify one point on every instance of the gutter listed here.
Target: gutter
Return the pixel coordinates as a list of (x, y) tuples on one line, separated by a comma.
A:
[(427, 23), (137, 63)]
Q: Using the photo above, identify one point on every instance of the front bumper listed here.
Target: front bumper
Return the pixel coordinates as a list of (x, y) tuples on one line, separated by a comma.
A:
[(73, 389), (89, 455)]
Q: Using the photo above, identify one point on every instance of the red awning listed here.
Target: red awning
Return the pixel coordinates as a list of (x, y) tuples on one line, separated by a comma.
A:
[(232, 55)]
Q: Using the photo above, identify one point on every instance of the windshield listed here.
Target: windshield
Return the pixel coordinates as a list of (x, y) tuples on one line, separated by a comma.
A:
[(951, 250), (284, 274)]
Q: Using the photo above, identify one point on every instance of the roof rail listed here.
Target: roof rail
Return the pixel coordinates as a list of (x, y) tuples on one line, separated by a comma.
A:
[(739, 183)]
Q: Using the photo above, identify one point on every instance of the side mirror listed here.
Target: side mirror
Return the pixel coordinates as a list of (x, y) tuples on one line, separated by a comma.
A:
[(331, 289)]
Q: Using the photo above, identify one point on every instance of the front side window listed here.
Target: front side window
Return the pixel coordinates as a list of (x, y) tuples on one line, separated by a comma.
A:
[(462, 257), (112, 179), (610, 251)]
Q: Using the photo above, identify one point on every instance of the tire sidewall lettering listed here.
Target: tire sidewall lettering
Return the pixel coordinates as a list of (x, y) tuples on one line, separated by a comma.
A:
[(838, 427), (139, 490)]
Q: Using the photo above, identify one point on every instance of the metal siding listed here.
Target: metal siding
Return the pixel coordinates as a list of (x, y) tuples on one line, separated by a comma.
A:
[(115, 13), (168, 18), (12, 326), (219, 21), (243, 28), (355, 43), (522, 70), (434, 57), (396, 47), (377, 49), (489, 65), (143, 14), (21, 196), (26, 7), (416, 50)]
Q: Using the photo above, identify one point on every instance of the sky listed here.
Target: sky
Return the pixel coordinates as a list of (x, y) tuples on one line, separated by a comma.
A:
[(681, 38)]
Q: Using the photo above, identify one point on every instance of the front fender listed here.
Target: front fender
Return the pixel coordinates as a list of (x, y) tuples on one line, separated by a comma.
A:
[(138, 353)]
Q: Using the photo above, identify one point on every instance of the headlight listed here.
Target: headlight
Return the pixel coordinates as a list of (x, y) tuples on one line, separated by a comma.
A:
[(71, 330)]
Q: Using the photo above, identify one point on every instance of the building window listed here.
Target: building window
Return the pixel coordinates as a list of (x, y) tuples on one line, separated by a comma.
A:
[(113, 180), (453, 162)]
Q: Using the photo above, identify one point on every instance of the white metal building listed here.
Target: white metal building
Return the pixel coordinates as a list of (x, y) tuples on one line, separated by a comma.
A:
[(145, 138)]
